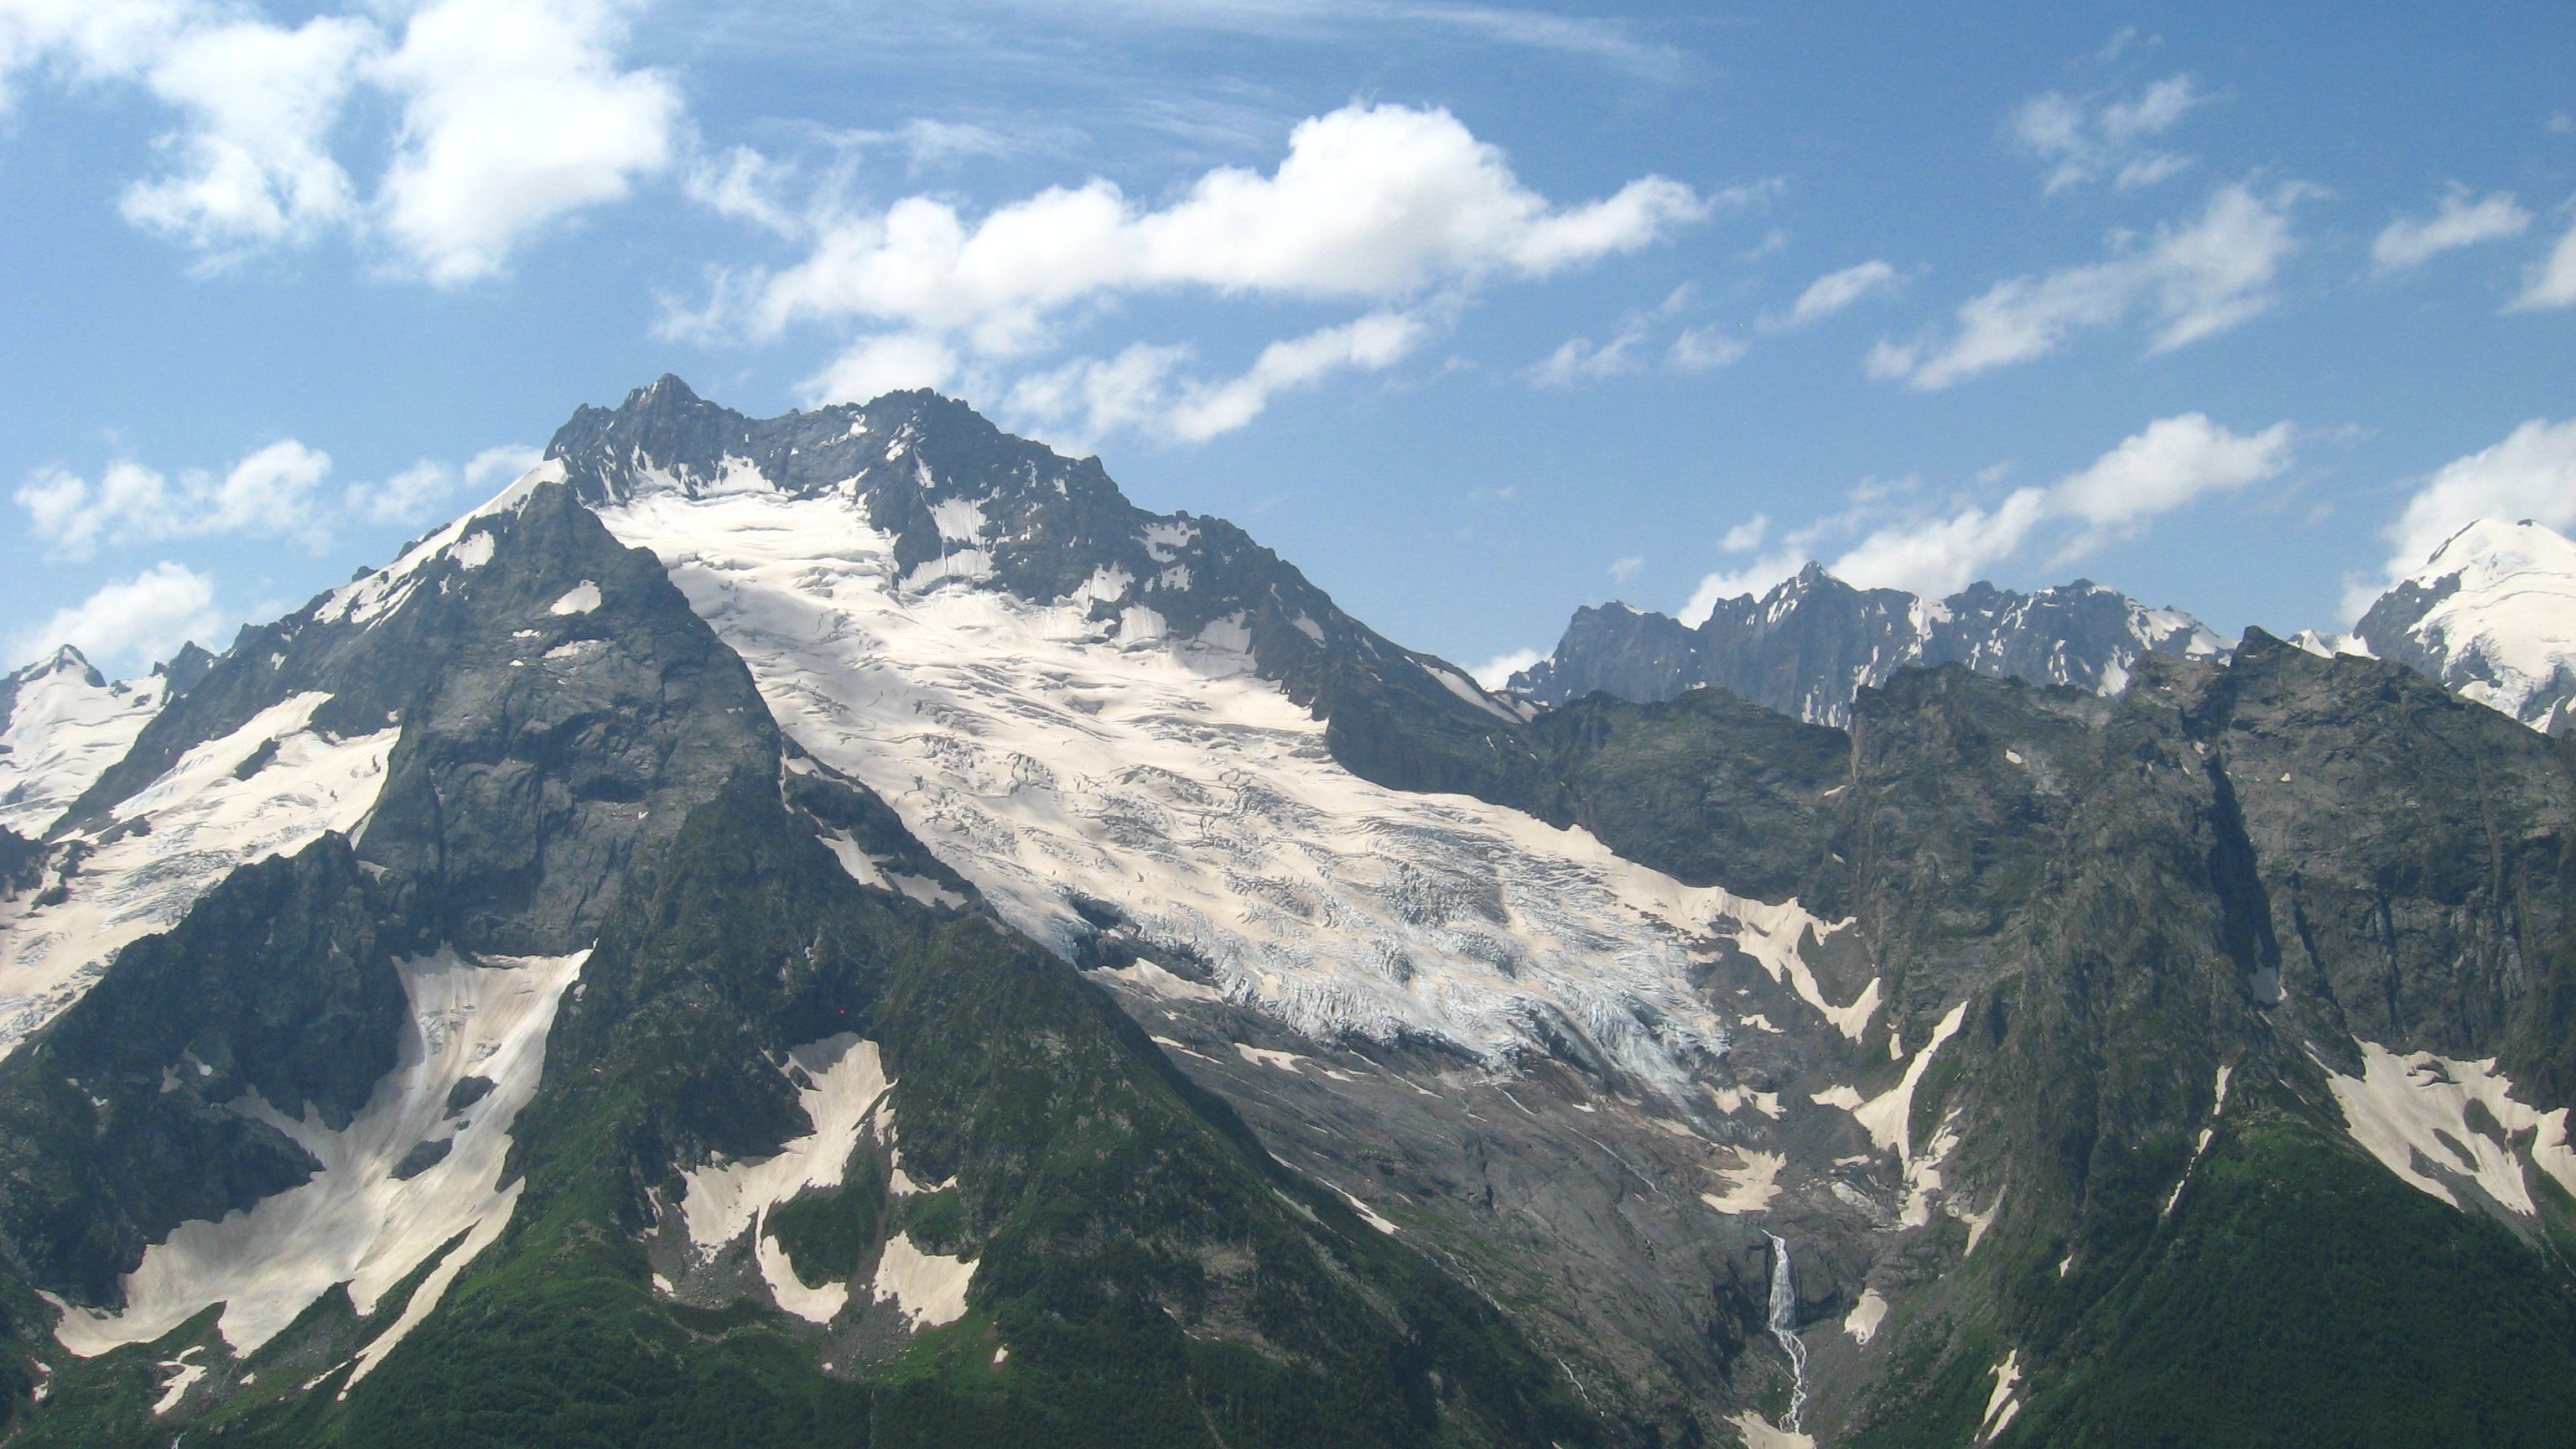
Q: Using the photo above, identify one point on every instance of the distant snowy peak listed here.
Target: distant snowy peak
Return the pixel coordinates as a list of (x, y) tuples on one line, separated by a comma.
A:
[(62, 723), (2492, 615), (1813, 642)]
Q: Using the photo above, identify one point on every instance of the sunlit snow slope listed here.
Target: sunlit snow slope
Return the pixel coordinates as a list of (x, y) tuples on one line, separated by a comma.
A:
[(60, 725), (2492, 615), (1064, 764)]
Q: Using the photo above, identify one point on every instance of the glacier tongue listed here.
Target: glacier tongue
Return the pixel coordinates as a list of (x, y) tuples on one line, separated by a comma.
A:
[(1061, 763)]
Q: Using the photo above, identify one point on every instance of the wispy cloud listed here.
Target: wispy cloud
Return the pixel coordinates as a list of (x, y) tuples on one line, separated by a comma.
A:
[(2193, 281), (2411, 241), (2553, 282), (1834, 291), (2165, 466), (2084, 139)]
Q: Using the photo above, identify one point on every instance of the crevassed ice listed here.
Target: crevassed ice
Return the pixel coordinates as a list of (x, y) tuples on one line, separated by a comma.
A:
[(353, 1222), (203, 821), (1046, 756)]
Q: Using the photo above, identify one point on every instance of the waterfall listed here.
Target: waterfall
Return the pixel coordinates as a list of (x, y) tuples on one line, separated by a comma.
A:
[(1784, 1327)]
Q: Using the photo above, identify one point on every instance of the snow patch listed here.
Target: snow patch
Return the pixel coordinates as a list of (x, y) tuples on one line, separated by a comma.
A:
[(959, 520), (927, 1288), (581, 598), (846, 1082), (2414, 1108), (2000, 1405), (354, 1222), (1866, 1315), (1749, 1187)]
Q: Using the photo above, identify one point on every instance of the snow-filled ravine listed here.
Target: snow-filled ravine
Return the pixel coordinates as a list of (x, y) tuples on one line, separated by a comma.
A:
[(271, 787), (1046, 756), (355, 1222)]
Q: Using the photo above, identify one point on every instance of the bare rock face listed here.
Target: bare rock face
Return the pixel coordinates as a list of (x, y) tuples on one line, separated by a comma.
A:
[(1811, 643)]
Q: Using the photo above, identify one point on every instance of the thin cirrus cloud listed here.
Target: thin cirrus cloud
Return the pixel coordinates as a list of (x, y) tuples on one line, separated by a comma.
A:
[(1632, 348), (2167, 465), (1399, 208), (2411, 241), (2083, 141), (129, 622), (2191, 281), (510, 114)]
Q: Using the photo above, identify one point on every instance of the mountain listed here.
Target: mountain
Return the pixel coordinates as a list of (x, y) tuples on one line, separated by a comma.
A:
[(840, 929), (2492, 615), (1811, 643), (583, 1062)]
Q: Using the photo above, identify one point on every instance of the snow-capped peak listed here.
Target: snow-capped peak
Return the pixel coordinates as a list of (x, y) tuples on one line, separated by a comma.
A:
[(2492, 615)]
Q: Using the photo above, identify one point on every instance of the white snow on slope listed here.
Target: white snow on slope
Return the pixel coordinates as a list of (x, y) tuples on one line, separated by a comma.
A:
[(353, 1222), (1043, 755), (2407, 1109), (846, 1088), (927, 1288), (1865, 1317), (200, 820), (2506, 634), (62, 734)]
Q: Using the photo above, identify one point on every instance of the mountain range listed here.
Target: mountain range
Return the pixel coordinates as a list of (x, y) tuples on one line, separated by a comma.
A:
[(841, 929)]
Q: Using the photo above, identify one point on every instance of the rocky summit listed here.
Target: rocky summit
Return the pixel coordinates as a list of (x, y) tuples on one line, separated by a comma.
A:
[(841, 929)]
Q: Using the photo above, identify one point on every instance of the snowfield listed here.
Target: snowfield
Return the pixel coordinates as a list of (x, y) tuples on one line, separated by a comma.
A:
[(1050, 758), (354, 1222)]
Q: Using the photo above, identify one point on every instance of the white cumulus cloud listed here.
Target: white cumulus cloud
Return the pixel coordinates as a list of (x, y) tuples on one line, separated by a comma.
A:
[(514, 112), (2191, 281), (271, 492), (2167, 464), (511, 113), (1497, 672), (2411, 241), (126, 625), (1141, 389), (1398, 208), (415, 494), (2531, 474), (1372, 202)]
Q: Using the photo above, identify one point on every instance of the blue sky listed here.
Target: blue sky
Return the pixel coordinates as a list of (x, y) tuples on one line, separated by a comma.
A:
[(1476, 312)]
